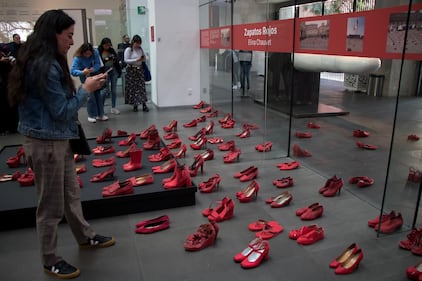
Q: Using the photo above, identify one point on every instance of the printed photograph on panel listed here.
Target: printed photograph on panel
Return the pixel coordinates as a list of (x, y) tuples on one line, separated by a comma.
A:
[(355, 34), (314, 35), (225, 37), (397, 30)]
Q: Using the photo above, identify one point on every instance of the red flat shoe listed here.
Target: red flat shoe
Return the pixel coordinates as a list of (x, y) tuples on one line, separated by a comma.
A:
[(206, 110), (204, 237), (258, 254), (412, 239), (27, 178), (313, 125), (254, 244), (129, 140), (296, 233), (265, 147), (191, 124), (374, 222), (176, 143), (207, 154), (212, 114), (288, 165), (360, 134), (413, 137), (366, 146), (171, 136), (282, 200), (142, 180), (414, 272), (125, 153), (261, 224), (269, 231), (153, 225), (249, 175), (181, 153), (199, 105), (312, 213), (350, 264), (172, 126), (231, 156), (230, 145), (166, 167), (300, 211), (210, 185), (144, 134), (303, 135), (284, 182), (98, 163), (365, 181), (118, 188), (80, 169), (300, 152), (107, 175), (215, 140), (229, 124), (344, 256), (101, 150), (311, 237)]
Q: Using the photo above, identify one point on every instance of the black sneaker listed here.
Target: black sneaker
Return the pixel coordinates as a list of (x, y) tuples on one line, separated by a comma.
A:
[(99, 241), (62, 270)]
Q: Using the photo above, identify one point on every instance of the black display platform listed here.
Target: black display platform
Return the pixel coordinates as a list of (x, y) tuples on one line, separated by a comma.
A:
[(18, 204)]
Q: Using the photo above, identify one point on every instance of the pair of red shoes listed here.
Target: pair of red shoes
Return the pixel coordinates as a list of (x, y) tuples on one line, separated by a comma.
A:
[(360, 134), (348, 260), (310, 212), (249, 193), (303, 135), (143, 179), (283, 182), (125, 153), (15, 161), (224, 210), (231, 156), (163, 155), (101, 150), (153, 225), (210, 185), (366, 146), (204, 237), (248, 174), (265, 229), (413, 242), (414, 175), (166, 167), (280, 200), (118, 188), (300, 152), (103, 162), (181, 178), (27, 178), (362, 181), (264, 147), (288, 165), (253, 255), (107, 175), (332, 187), (308, 235), (170, 127), (387, 223), (413, 137)]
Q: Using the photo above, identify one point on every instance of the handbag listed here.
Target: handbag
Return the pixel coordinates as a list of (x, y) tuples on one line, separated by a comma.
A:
[(80, 145), (147, 73)]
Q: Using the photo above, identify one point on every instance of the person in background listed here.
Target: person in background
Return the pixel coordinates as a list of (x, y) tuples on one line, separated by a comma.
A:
[(41, 85), (110, 60), (135, 92), (86, 61), (15, 45), (121, 47), (8, 114), (236, 70), (245, 59)]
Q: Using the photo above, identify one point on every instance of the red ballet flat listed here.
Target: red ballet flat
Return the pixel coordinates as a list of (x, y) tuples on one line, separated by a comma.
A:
[(118, 188), (101, 150), (142, 180), (303, 135), (288, 165), (284, 182), (153, 225), (103, 162)]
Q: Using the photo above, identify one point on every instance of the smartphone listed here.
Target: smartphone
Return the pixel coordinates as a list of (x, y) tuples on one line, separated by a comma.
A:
[(108, 70)]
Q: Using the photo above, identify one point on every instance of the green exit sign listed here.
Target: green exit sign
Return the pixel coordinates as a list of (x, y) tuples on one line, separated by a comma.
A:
[(142, 10)]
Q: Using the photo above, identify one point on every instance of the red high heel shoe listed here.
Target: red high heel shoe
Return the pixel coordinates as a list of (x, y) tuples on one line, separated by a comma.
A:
[(209, 128), (258, 254), (118, 188), (191, 124), (103, 162), (215, 140), (374, 222), (125, 153), (212, 114), (210, 185), (142, 180), (101, 150), (246, 171), (229, 124), (199, 144), (198, 162), (206, 155), (181, 178), (282, 200), (163, 155), (350, 264), (166, 167), (206, 110), (199, 105), (198, 135), (181, 153), (129, 140), (171, 136), (414, 272), (360, 134), (328, 183), (333, 188), (250, 193), (105, 137), (27, 178), (107, 175), (244, 134), (222, 212), (80, 169), (344, 256), (15, 161), (265, 147), (201, 119), (300, 152), (144, 134), (226, 118), (312, 213), (176, 143), (230, 145), (231, 156), (249, 175), (135, 162), (172, 126), (153, 140)]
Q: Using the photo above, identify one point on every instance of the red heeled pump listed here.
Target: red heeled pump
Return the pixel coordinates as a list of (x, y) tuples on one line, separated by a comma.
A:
[(176, 143), (350, 264), (333, 188), (199, 105), (129, 140), (103, 162), (105, 137), (182, 152), (284, 182), (166, 167), (206, 110), (212, 114), (207, 155), (193, 169), (229, 124), (215, 140), (226, 118), (107, 175), (191, 124), (249, 175), (199, 144), (231, 156), (250, 193), (181, 178), (210, 185), (125, 153), (153, 140), (198, 135), (248, 250), (144, 134), (345, 255), (209, 129), (172, 126), (15, 161), (265, 147), (282, 200), (163, 155), (201, 119), (222, 212), (135, 162), (142, 180), (244, 134), (171, 136), (312, 213), (230, 145)]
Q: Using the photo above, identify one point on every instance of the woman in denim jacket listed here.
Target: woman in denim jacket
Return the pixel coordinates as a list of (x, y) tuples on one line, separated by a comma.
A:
[(41, 85), (86, 62)]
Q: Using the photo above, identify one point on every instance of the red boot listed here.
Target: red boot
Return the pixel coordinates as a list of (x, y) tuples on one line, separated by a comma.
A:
[(135, 162)]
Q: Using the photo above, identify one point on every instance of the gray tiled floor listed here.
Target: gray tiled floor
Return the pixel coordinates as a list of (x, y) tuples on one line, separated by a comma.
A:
[(160, 256)]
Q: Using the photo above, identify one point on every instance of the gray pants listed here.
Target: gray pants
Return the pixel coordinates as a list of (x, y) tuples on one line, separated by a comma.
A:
[(58, 194)]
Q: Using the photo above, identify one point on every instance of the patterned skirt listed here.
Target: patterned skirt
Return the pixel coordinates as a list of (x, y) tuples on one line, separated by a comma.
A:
[(135, 92)]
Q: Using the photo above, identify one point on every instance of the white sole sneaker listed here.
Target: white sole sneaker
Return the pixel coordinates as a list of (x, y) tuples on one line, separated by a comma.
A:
[(115, 111), (92, 120), (103, 118)]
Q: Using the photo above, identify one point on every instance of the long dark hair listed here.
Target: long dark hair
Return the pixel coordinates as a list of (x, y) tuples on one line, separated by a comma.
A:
[(135, 38), (37, 54)]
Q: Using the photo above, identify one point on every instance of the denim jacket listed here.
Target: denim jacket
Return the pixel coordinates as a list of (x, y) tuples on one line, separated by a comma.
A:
[(80, 63), (52, 114)]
